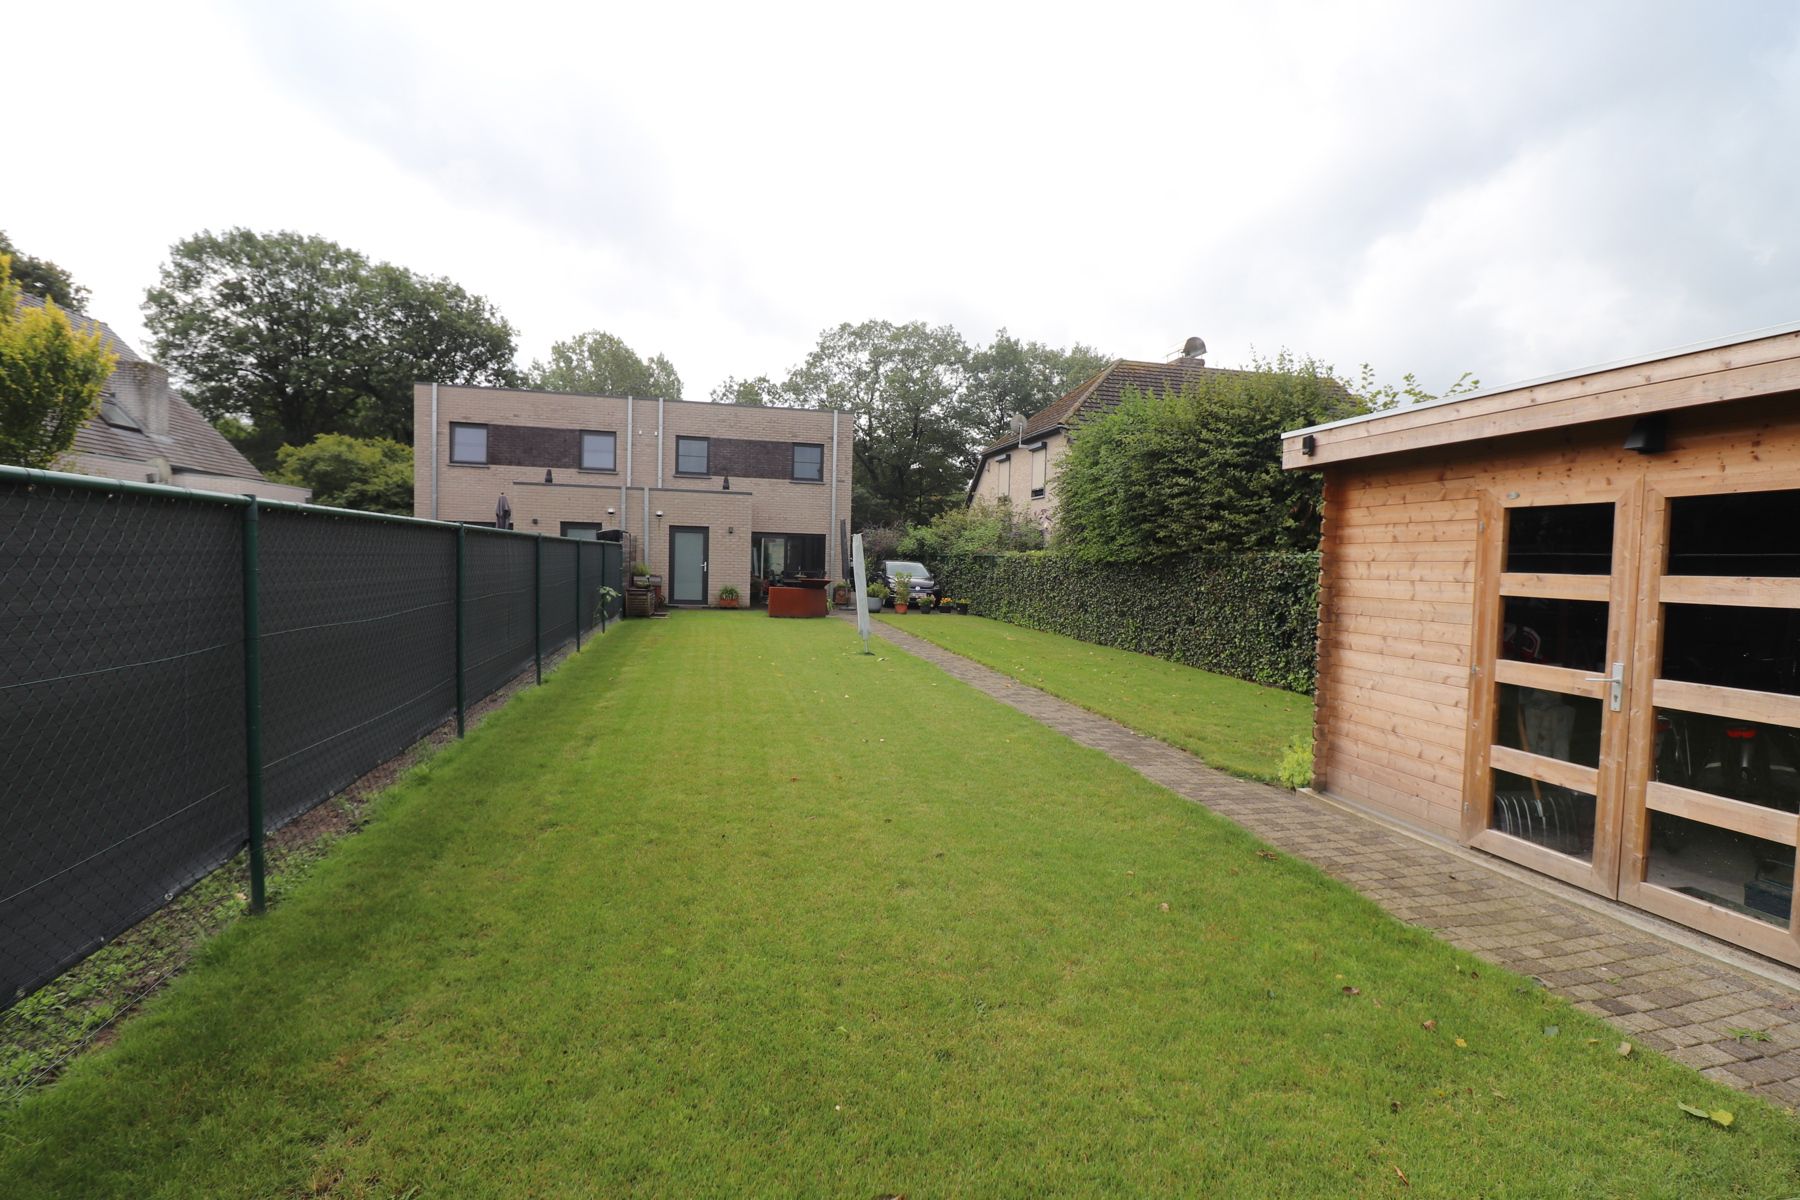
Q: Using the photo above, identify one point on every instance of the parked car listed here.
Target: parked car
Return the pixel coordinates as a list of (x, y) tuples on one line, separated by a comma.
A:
[(921, 584)]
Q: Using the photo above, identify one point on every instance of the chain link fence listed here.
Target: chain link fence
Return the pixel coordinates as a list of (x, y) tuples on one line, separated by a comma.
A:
[(174, 665)]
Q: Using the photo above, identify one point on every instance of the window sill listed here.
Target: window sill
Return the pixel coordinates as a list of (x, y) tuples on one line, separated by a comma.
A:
[(454, 463), (692, 475), (813, 482), (1037, 493), (596, 470)]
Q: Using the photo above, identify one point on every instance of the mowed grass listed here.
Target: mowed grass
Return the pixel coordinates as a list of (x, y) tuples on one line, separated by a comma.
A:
[(1233, 725), (727, 908)]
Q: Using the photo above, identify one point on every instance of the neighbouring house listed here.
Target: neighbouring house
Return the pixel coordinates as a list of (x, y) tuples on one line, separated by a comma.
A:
[(1560, 622), (1021, 467), (708, 495), (145, 432)]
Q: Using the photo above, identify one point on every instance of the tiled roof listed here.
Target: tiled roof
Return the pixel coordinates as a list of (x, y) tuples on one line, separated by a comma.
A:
[(1104, 391), (85, 324), (191, 444)]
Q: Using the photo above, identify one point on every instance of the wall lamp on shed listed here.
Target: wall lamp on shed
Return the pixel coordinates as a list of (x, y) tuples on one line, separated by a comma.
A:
[(1649, 434), (1309, 445)]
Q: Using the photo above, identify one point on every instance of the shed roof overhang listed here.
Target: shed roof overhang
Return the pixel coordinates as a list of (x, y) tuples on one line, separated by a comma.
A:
[(1759, 364)]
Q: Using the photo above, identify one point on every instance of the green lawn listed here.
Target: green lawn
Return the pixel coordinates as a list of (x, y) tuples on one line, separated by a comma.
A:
[(727, 908), (1235, 726)]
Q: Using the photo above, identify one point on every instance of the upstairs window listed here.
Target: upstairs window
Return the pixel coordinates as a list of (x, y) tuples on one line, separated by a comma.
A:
[(1039, 461), (599, 451), (468, 443), (114, 414), (693, 456), (809, 462)]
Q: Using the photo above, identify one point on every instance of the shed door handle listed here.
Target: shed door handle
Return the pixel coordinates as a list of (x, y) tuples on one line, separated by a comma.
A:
[(1616, 696)]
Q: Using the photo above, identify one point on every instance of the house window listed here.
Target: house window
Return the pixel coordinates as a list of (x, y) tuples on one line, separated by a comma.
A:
[(599, 451), (1039, 457), (1002, 468), (114, 414), (809, 462), (468, 443), (586, 530), (693, 456)]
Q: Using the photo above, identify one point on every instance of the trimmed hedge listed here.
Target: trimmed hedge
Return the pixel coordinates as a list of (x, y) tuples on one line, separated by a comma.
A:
[(1252, 616)]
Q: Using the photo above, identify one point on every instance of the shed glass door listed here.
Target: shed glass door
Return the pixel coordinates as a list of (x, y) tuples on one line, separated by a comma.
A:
[(1716, 740), (1548, 732)]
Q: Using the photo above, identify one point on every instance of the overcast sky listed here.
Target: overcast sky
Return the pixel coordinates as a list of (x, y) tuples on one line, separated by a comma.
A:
[(1532, 189)]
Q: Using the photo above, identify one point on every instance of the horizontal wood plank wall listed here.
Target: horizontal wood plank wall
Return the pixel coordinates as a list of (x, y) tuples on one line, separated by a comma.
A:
[(1397, 589)]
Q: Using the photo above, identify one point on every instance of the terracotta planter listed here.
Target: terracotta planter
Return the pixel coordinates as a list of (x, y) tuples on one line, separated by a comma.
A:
[(728, 602), (900, 606)]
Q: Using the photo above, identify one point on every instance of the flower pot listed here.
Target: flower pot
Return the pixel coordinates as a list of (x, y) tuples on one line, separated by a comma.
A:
[(841, 597), (728, 602), (872, 603), (900, 606)]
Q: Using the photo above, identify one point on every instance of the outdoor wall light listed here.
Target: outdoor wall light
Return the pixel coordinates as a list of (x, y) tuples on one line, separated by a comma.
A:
[(1649, 434), (659, 513), (609, 512)]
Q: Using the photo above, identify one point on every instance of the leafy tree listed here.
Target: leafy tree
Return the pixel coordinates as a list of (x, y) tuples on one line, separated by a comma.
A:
[(757, 393), (983, 527), (917, 430), (372, 474), (298, 336), (1009, 376), (600, 363), (43, 278), (51, 376), (1199, 470)]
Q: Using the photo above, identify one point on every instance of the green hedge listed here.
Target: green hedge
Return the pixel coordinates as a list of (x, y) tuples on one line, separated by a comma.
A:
[(1253, 616)]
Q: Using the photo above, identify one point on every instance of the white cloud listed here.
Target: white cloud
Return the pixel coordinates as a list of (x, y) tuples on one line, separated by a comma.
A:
[(1516, 191)]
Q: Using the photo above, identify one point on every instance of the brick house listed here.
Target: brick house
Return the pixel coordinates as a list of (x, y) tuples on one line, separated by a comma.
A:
[(1021, 467), (708, 495)]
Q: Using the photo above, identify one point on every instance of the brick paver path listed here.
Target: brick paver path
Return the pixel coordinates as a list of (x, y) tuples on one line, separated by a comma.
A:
[(1663, 995)]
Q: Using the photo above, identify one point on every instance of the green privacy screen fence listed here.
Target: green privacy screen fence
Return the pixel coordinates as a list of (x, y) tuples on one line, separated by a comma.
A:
[(183, 673)]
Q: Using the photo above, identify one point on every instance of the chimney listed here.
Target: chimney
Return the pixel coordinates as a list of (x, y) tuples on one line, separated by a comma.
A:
[(142, 389), (1194, 351)]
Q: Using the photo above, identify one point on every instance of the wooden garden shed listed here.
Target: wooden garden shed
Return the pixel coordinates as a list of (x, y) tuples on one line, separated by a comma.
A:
[(1560, 622)]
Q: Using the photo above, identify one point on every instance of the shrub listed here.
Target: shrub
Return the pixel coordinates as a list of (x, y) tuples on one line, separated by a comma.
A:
[(1295, 769), (1252, 616)]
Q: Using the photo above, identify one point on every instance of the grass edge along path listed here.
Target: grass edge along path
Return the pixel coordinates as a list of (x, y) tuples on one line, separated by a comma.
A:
[(1235, 726), (727, 907)]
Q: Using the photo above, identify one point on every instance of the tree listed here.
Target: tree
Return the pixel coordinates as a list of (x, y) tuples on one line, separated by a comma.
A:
[(1009, 376), (917, 430), (51, 376), (983, 527), (757, 393), (298, 336), (371, 474), (42, 278), (602, 364), (1199, 470)]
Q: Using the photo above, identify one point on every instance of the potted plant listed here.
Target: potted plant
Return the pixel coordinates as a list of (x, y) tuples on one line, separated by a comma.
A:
[(728, 596), (640, 574), (840, 593), (902, 590), (877, 593)]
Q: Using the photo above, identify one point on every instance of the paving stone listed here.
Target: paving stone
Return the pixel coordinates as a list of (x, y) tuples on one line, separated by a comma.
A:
[(1667, 996)]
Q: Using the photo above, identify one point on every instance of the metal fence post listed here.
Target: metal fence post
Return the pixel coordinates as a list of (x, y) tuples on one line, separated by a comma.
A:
[(253, 757), (578, 596), (462, 558), (537, 606)]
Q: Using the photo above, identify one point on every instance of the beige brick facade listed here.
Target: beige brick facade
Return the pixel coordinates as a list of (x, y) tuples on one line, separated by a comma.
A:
[(644, 491), (1006, 475)]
